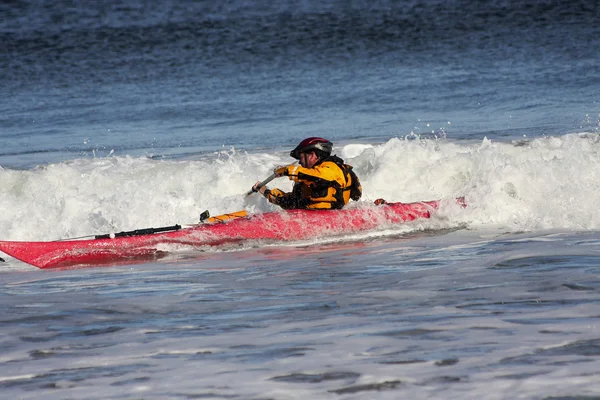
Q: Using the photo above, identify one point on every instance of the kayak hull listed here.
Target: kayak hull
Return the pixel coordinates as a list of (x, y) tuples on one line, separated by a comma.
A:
[(273, 226)]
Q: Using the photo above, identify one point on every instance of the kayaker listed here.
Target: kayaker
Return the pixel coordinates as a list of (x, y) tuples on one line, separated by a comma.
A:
[(322, 181)]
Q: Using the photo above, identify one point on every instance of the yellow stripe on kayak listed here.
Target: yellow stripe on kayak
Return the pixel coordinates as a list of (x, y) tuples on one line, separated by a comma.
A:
[(226, 217)]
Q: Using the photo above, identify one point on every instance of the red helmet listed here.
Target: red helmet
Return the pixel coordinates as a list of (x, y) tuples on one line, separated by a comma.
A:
[(322, 146)]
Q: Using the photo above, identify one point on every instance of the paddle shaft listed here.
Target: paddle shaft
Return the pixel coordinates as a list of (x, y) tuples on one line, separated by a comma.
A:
[(263, 183), (269, 179)]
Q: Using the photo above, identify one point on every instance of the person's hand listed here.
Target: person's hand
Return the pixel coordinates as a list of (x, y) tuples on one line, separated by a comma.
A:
[(259, 188), (280, 171)]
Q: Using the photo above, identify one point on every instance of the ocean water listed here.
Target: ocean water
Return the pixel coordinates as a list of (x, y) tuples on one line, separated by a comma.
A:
[(120, 115)]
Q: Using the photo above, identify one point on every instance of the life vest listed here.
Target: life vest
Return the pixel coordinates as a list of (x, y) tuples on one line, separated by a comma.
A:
[(355, 187), (330, 184), (352, 189)]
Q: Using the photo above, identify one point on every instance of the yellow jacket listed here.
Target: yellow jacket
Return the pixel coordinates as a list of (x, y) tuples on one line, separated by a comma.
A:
[(328, 185)]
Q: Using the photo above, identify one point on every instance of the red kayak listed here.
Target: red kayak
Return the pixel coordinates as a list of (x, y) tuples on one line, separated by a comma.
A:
[(230, 228)]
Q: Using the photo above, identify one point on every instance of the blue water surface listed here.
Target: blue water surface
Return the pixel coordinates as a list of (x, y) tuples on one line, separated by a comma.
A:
[(173, 78)]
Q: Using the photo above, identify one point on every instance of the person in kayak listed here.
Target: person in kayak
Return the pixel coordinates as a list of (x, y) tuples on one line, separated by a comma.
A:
[(322, 181)]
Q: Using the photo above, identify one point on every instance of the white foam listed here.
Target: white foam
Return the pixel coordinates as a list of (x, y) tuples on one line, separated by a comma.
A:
[(545, 183)]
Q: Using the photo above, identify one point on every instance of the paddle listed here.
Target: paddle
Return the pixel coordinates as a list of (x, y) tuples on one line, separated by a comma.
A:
[(263, 183), (269, 179)]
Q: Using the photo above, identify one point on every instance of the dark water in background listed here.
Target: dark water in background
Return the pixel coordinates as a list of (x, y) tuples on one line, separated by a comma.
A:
[(170, 78)]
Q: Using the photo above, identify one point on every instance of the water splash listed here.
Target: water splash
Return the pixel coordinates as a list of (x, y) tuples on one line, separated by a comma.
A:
[(544, 183)]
